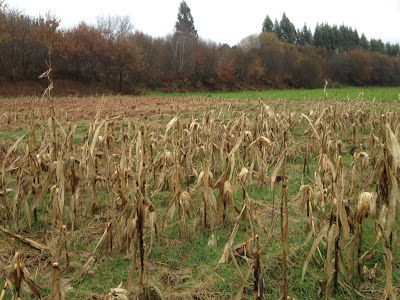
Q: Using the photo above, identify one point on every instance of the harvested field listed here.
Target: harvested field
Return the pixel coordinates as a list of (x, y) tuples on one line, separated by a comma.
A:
[(20, 111), (199, 198)]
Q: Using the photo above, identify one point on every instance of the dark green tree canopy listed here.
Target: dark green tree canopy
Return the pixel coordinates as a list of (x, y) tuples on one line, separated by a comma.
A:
[(268, 26), (288, 30), (393, 50), (364, 42), (185, 22), (277, 29), (336, 39), (377, 45), (304, 37)]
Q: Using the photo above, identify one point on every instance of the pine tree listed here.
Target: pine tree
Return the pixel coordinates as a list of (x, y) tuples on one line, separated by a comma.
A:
[(318, 39), (347, 38), (277, 29), (185, 23), (377, 45), (334, 38), (304, 37), (364, 42), (392, 49), (329, 37), (355, 38), (396, 50), (183, 42), (268, 26), (288, 30), (307, 34)]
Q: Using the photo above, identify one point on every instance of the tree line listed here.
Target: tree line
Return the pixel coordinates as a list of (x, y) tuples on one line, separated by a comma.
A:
[(332, 38), (112, 53)]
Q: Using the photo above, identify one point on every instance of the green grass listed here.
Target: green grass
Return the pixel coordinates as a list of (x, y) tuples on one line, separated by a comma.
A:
[(380, 94), (13, 135), (80, 130)]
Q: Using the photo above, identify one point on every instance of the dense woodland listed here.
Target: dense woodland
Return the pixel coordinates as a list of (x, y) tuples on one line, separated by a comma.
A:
[(112, 53)]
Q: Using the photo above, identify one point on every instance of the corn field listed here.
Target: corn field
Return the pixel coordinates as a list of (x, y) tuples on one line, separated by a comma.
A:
[(132, 188)]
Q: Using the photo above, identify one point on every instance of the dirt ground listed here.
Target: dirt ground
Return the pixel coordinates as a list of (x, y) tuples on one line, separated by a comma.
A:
[(62, 87), (19, 112)]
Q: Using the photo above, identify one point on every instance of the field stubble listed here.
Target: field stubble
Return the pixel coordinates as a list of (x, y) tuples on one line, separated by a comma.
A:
[(199, 198)]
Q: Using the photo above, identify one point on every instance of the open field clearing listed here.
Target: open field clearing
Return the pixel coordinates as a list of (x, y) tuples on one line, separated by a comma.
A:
[(17, 113), (380, 94), (200, 198)]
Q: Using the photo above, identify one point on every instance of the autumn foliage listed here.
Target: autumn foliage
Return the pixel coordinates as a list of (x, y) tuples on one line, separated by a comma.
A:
[(111, 54)]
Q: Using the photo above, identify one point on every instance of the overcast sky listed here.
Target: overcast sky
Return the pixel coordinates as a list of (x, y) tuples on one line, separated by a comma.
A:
[(228, 21)]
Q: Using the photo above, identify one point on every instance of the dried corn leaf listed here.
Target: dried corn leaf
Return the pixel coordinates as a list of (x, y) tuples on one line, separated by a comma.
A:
[(344, 220), (329, 269), (210, 198), (10, 150), (312, 126), (381, 222), (187, 202), (366, 205), (388, 292), (243, 174), (394, 148), (393, 197), (263, 140), (32, 285), (26, 241), (117, 293), (350, 252), (306, 192), (317, 241), (228, 245), (268, 110), (276, 169), (331, 166), (239, 293), (62, 129), (236, 147), (96, 137), (169, 126)]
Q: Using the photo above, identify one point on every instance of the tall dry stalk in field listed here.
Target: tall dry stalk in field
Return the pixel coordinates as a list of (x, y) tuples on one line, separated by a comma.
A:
[(18, 274), (388, 165)]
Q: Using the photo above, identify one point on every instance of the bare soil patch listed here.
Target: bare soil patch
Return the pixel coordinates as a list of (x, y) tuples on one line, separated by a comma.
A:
[(17, 112)]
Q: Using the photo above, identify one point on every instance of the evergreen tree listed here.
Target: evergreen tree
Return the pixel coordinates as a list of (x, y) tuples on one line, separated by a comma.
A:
[(355, 39), (304, 37), (277, 29), (323, 36), (299, 38), (268, 26), (388, 48), (334, 38), (364, 42), (338, 39), (318, 36), (307, 34), (395, 50), (288, 30), (392, 50), (377, 45), (185, 22), (345, 38), (183, 42)]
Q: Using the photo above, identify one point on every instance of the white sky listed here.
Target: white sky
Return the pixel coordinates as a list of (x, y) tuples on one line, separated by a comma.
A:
[(228, 21)]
